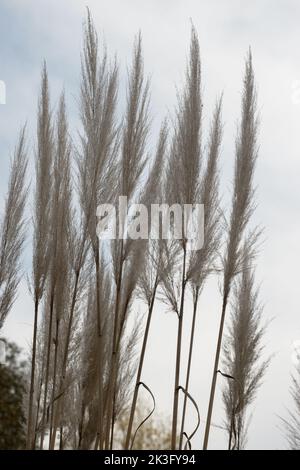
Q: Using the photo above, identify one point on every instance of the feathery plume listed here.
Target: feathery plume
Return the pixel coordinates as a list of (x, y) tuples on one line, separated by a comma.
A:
[(60, 269), (133, 147), (98, 160), (241, 210), (242, 352), (12, 231), (42, 207), (183, 187), (201, 261)]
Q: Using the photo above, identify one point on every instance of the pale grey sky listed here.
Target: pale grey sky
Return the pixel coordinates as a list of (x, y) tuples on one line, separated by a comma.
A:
[(31, 31)]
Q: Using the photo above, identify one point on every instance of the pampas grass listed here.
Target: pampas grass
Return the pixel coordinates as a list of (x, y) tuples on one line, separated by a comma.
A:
[(89, 346), (97, 163), (241, 210), (12, 230), (201, 264), (243, 348), (132, 163), (184, 184), (42, 211)]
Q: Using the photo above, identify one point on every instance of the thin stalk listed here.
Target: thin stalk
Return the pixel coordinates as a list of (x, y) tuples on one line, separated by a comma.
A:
[(140, 367), (29, 442), (54, 381), (38, 409), (61, 441), (214, 378), (100, 346), (111, 386), (230, 434), (122, 320), (47, 372), (111, 383), (114, 357), (178, 355), (188, 373), (113, 420)]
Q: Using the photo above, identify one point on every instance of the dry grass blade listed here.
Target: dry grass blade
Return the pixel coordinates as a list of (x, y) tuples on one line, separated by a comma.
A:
[(12, 230)]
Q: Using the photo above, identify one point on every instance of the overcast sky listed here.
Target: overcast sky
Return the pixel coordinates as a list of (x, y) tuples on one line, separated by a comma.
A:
[(52, 29)]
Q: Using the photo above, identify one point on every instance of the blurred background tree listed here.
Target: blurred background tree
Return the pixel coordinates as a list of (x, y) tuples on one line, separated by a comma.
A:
[(12, 392), (154, 434)]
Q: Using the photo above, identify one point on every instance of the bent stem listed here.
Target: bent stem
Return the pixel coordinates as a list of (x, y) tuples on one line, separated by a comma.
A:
[(140, 367)]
